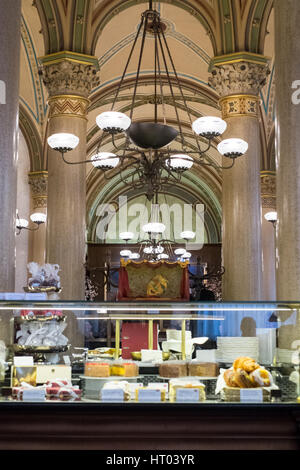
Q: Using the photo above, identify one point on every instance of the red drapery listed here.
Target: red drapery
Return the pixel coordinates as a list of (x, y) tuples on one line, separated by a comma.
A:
[(159, 270)]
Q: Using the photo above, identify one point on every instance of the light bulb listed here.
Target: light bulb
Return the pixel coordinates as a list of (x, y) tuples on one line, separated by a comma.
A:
[(63, 141), (105, 160), (126, 236), (187, 235), (180, 162), (232, 147), (134, 256), (163, 256), (113, 122), (21, 223), (186, 255), (179, 251), (154, 227), (209, 126), (271, 216), (38, 217), (125, 253)]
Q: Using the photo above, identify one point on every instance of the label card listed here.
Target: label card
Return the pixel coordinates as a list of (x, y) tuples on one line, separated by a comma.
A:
[(149, 395), (187, 394), (34, 394), (112, 394), (254, 395), (21, 361)]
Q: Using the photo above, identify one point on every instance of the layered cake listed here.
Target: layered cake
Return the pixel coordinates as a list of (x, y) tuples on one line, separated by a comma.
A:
[(96, 369), (203, 369), (173, 369), (126, 369), (176, 384)]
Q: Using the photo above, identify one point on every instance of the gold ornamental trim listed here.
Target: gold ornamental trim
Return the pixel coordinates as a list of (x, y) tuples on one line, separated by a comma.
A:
[(239, 105), (124, 263), (68, 106)]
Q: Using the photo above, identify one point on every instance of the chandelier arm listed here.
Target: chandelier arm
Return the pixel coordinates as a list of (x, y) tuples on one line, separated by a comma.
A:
[(75, 163), (124, 148), (171, 88), (179, 85), (145, 21), (127, 63)]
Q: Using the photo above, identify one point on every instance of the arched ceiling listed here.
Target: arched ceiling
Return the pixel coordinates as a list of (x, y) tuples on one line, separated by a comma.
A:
[(197, 31)]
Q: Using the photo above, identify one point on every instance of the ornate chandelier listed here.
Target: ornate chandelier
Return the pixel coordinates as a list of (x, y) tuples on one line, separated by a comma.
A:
[(154, 153)]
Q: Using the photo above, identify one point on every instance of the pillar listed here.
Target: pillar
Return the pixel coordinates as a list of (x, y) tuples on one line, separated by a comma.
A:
[(238, 78), (38, 181), (268, 204), (287, 147), (9, 105), (69, 78)]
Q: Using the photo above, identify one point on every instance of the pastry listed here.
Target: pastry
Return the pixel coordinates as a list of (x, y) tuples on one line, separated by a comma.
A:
[(203, 369), (173, 369), (245, 363), (176, 384), (96, 369), (261, 377), (243, 379), (229, 377)]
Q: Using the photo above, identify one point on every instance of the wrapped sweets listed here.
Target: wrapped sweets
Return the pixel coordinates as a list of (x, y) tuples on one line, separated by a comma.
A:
[(246, 373), (62, 390), (124, 369), (176, 384), (42, 334), (97, 369)]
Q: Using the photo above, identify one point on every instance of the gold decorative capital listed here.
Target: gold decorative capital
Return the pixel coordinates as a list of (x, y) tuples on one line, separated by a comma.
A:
[(68, 106), (239, 105), (38, 181)]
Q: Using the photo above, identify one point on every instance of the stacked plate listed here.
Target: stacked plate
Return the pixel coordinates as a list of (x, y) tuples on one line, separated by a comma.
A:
[(229, 348)]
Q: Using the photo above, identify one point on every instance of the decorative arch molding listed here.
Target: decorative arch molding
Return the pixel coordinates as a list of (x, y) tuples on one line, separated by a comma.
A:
[(51, 25), (32, 138), (200, 9)]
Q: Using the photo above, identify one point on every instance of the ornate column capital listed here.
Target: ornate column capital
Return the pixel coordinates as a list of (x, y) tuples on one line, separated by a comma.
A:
[(69, 73), (38, 181), (238, 78), (268, 189)]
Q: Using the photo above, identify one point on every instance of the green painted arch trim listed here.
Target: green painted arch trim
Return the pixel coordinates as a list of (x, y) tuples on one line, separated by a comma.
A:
[(32, 138)]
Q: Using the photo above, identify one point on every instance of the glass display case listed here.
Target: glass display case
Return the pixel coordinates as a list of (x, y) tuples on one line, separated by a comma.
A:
[(149, 352)]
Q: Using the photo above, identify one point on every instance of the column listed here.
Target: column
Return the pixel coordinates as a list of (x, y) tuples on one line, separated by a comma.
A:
[(9, 105), (238, 78), (287, 146), (38, 181), (69, 78), (268, 204)]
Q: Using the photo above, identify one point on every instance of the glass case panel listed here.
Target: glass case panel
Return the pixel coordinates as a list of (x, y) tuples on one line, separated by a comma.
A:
[(143, 352)]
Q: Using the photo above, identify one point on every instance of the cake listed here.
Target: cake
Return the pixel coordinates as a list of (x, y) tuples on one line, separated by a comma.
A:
[(126, 369), (203, 369), (96, 369), (173, 369), (176, 384)]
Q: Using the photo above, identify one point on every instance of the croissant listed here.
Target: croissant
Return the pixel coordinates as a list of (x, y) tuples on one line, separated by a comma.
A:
[(245, 363), (243, 379), (229, 377)]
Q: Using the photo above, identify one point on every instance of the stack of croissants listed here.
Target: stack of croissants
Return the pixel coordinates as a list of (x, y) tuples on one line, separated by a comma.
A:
[(246, 373)]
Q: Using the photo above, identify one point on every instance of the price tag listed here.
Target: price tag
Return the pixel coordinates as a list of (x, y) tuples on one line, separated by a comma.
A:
[(32, 394), (187, 394), (149, 395), (112, 394), (253, 395)]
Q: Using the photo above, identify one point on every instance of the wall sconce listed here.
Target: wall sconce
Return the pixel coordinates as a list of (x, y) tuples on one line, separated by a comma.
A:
[(37, 218)]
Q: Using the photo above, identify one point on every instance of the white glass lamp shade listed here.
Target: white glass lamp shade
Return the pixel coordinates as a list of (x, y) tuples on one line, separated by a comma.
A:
[(163, 256), (186, 255), (113, 121), (63, 141), (180, 251), (271, 216), (38, 217), (151, 250), (125, 253), (154, 227), (21, 223), (105, 160), (209, 126), (187, 235), (232, 147), (134, 256), (126, 235), (180, 162)]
